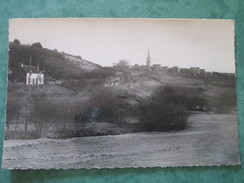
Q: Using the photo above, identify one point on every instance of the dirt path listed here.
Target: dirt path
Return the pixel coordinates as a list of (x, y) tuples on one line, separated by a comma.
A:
[(211, 140)]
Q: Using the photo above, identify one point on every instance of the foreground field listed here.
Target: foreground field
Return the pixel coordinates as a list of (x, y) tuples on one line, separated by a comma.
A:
[(210, 139)]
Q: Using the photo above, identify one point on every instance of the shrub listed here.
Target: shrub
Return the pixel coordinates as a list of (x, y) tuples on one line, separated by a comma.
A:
[(223, 103), (164, 112), (42, 111), (110, 108), (13, 109), (79, 121)]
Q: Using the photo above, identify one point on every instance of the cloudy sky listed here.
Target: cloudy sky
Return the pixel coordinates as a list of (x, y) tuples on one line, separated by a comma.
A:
[(185, 43)]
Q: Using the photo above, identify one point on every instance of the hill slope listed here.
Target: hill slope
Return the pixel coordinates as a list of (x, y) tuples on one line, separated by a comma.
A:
[(55, 64), (85, 65)]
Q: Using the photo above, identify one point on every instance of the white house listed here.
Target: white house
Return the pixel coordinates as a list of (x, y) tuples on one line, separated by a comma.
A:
[(34, 78)]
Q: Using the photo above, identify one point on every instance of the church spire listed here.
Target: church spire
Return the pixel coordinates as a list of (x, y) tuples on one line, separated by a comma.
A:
[(148, 58)]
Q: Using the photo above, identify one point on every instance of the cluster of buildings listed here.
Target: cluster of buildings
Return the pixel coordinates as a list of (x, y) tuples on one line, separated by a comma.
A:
[(192, 71), (159, 68)]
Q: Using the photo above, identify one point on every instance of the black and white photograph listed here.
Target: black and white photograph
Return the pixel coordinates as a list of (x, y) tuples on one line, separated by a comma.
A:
[(121, 92)]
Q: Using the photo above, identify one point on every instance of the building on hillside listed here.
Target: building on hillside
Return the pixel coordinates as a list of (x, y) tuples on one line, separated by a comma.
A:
[(144, 68), (174, 69), (53, 82), (209, 73), (195, 70), (186, 71), (156, 67), (33, 75), (108, 67), (164, 68), (121, 67), (202, 71), (216, 74), (136, 67)]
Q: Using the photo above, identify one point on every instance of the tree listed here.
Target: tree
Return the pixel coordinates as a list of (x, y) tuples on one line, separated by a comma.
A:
[(165, 111), (17, 42), (109, 106), (122, 63), (80, 120), (13, 110), (223, 103), (43, 112), (37, 45)]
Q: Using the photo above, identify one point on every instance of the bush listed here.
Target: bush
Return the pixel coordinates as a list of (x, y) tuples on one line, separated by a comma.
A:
[(223, 103), (13, 109), (79, 121), (42, 112), (110, 108), (164, 112)]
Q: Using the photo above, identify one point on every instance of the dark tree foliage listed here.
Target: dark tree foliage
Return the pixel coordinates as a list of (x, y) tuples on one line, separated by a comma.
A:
[(37, 45), (224, 103), (51, 62), (122, 63), (13, 110), (114, 113), (165, 111), (80, 120), (17, 42)]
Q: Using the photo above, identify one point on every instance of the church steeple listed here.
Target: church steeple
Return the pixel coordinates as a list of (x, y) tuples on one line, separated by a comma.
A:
[(148, 58)]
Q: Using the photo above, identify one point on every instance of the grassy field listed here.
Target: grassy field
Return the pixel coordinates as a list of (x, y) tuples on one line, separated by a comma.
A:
[(210, 139)]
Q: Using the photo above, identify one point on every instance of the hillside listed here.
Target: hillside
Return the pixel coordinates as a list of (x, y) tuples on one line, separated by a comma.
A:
[(141, 84), (85, 65), (56, 65)]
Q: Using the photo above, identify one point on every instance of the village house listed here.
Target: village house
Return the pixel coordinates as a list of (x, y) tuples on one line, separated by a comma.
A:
[(186, 71), (174, 69), (202, 71), (195, 70), (53, 82), (156, 67), (136, 67), (164, 68)]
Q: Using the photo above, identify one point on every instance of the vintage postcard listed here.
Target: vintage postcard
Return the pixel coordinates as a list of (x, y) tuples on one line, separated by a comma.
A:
[(115, 93)]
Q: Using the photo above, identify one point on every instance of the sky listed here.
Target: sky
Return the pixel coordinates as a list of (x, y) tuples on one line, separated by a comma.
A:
[(208, 44)]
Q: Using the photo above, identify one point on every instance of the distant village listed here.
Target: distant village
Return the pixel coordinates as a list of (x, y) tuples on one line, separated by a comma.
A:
[(192, 71)]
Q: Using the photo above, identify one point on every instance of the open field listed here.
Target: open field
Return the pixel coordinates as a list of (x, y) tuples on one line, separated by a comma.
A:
[(210, 139)]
